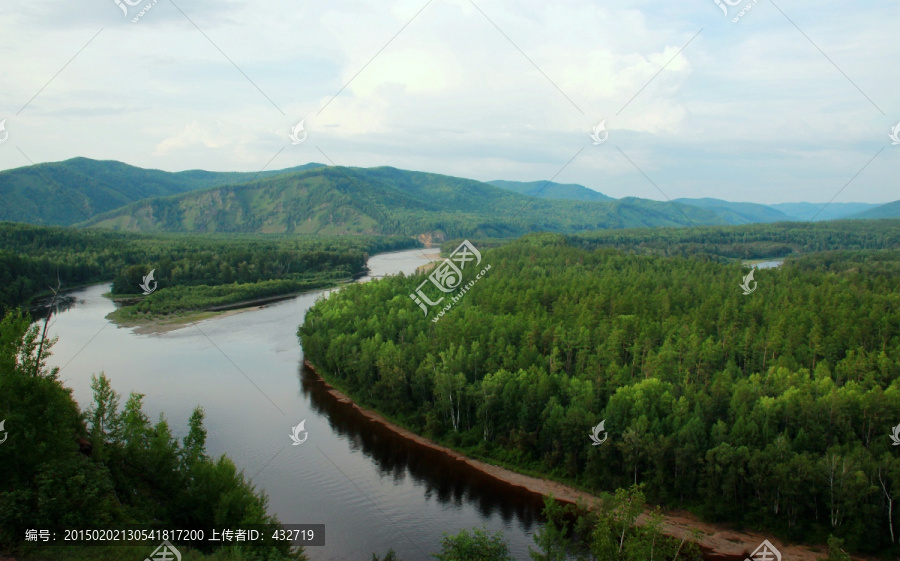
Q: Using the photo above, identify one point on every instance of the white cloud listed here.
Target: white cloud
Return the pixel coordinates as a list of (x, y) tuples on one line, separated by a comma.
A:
[(751, 109)]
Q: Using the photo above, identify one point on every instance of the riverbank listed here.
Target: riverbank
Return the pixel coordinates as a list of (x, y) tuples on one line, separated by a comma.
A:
[(718, 542)]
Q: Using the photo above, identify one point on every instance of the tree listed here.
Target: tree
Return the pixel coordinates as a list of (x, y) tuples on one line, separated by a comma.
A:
[(835, 552), (477, 546), (553, 538)]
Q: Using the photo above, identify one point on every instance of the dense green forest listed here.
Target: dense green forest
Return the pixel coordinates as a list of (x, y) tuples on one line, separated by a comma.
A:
[(724, 244), (191, 271), (771, 410), (751, 241), (107, 465)]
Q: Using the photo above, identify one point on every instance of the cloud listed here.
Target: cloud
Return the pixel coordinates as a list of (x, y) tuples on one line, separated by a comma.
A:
[(193, 134), (491, 89)]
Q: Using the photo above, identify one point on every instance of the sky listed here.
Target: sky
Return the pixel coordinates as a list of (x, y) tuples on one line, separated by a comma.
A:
[(786, 101)]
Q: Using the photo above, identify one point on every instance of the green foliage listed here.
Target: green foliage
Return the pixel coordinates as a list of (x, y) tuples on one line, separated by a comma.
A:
[(64, 193), (835, 553), (136, 472), (752, 241), (339, 200), (32, 258), (771, 410), (184, 298), (551, 190), (610, 532), (477, 546)]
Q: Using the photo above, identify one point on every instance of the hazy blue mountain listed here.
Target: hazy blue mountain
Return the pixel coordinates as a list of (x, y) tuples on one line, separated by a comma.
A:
[(888, 210), (833, 211), (738, 213), (64, 193), (550, 190)]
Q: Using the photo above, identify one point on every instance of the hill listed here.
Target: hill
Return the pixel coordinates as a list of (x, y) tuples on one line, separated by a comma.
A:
[(63, 193), (888, 210), (337, 200), (833, 211), (738, 213), (551, 190)]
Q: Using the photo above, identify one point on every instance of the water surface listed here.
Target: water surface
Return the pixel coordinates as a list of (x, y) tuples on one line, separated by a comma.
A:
[(371, 489)]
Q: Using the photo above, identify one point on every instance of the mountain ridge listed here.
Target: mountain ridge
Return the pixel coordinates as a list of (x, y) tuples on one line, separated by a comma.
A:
[(65, 193), (384, 200), (315, 198), (551, 190)]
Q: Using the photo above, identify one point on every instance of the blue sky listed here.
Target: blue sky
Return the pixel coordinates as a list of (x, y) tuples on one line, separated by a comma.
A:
[(793, 102)]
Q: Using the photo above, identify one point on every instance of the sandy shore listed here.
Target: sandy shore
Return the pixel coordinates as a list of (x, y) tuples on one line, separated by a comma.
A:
[(717, 541), (164, 326)]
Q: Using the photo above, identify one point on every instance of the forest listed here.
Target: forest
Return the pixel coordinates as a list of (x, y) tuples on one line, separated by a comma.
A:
[(781, 402), (109, 465), (750, 241), (389, 201), (196, 271)]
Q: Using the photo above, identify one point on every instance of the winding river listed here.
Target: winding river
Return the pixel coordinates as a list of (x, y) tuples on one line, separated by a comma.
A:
[(372, 489)]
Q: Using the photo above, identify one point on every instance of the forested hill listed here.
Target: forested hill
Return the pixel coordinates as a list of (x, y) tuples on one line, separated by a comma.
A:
[(771, 410), (739, 213), (888, 210), (337, 200), (551, 190), (63, 193)]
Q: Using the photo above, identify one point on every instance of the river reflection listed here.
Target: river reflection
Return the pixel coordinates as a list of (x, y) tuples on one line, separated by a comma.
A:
[(447, 480)]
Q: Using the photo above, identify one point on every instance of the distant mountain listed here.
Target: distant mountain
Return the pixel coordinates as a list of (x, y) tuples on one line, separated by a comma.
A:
[(550, 190), (337, 200), (889, 210), (739, 213), (64, 193), (834, 211)]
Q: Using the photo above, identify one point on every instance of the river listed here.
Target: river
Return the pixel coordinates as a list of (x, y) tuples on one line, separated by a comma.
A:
[(371, 489)]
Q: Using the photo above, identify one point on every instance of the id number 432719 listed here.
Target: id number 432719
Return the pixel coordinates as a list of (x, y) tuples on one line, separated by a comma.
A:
[(293, 535)]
